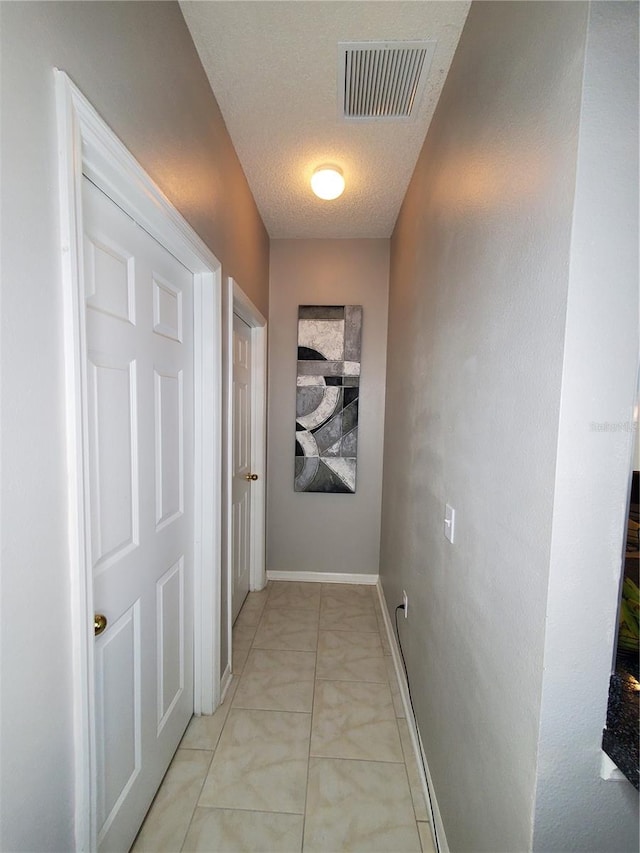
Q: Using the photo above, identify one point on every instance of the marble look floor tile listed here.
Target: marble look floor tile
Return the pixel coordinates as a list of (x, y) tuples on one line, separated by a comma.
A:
[(294, 594), (380, 617), (384, 638), (256, 598), (238, 660), (335, 594), (393, 686), (237, 831), (251, 612), (277, 680), (354, 720), (350, 656), (335, 615), (167, 821), (243, 635), (260, 763), (415, 783), (347, 593), (296, 630), (360, 807), (426, 838), (204, 732), (350, 596), (359, 606)]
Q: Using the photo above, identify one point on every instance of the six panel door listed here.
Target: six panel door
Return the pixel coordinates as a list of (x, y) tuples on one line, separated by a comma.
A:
[(241, 489), (139, 322)]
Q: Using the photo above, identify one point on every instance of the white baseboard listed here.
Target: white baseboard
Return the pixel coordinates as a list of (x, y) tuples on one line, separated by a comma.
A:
[(322, 577), (440, 837)]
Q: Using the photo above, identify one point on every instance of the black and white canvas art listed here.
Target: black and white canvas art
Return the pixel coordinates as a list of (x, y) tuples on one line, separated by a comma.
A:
[(328, 386)]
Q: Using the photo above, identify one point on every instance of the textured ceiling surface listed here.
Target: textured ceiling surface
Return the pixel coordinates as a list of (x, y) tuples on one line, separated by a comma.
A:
[(273, 67)]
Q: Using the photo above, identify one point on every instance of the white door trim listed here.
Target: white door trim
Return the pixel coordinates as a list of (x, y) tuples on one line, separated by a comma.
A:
[(87, 146), (239, 303), (244, 308)]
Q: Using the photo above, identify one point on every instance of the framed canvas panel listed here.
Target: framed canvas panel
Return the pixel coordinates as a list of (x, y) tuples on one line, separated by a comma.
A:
[(327, 396)]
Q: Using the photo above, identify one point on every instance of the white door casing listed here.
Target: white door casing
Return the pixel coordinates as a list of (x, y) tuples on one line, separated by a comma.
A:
[(139, 326), (239, 304), (87, 145), (242, 485)]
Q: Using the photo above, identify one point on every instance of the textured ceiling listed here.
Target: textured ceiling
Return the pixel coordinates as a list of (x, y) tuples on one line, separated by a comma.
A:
[(273, 67)]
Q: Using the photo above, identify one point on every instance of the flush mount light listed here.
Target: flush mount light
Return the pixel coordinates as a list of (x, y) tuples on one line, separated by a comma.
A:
[(327, 182)]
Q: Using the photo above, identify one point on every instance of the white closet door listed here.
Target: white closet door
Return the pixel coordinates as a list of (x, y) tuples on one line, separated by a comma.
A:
[(139, 461), (241, 491)]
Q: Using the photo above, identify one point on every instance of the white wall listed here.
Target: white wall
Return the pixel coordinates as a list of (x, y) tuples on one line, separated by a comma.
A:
[(479, 269), (575, 809), (137, 64), (324, 532)]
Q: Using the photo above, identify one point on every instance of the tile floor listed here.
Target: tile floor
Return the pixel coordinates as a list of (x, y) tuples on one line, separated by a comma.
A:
[(310, 750)]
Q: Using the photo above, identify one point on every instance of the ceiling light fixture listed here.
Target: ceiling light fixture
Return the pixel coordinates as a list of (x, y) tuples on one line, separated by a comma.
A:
[(327, 182)]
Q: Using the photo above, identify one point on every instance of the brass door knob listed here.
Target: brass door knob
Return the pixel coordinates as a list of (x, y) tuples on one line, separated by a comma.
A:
[(251, 477), (99, 623)]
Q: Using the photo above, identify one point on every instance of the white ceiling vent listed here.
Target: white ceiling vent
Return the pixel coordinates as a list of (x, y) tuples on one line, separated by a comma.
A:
[(379, 80)]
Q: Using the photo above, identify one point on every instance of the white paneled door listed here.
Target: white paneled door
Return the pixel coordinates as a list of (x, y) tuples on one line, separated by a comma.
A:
[(139, 343), (242, 473)]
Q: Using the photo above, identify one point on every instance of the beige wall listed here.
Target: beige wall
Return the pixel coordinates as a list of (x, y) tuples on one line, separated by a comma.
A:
[(574, 808), (512, 326), (478, 290), (137, 64), (321, 532)]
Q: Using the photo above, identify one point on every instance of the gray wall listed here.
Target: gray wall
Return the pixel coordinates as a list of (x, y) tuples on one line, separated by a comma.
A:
[(479, 267), (575, 809), (318, 532), (138, 66)]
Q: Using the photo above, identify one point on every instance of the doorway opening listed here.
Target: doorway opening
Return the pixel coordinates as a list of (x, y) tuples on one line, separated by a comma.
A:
[(241, 311), (90, 150)]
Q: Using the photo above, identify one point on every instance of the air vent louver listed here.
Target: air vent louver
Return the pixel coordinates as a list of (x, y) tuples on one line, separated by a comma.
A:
[(383, 80)]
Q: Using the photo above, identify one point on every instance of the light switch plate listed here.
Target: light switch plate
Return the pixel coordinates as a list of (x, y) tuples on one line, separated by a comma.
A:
[(449, 522)]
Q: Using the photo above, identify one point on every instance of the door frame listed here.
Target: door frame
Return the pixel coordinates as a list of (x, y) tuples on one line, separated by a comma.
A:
[(237, 302), (86, 145)]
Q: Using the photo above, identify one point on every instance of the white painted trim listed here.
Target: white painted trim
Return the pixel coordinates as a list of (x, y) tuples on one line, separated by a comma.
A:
[(225, 682), (239, 303), (86, 145), (416, 741), (244, 307), (228, 480), (322, 577), (70, 164), (247, 311), (208, 497)]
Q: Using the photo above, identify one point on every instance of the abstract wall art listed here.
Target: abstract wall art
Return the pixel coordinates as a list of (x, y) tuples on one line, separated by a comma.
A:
[(327, 391)]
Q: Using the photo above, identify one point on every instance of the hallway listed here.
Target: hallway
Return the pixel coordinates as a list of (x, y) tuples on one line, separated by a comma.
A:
[(310, 749)]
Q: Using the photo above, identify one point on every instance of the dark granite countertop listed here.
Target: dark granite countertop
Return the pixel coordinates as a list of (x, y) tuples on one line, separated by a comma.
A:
[(620, 738)]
